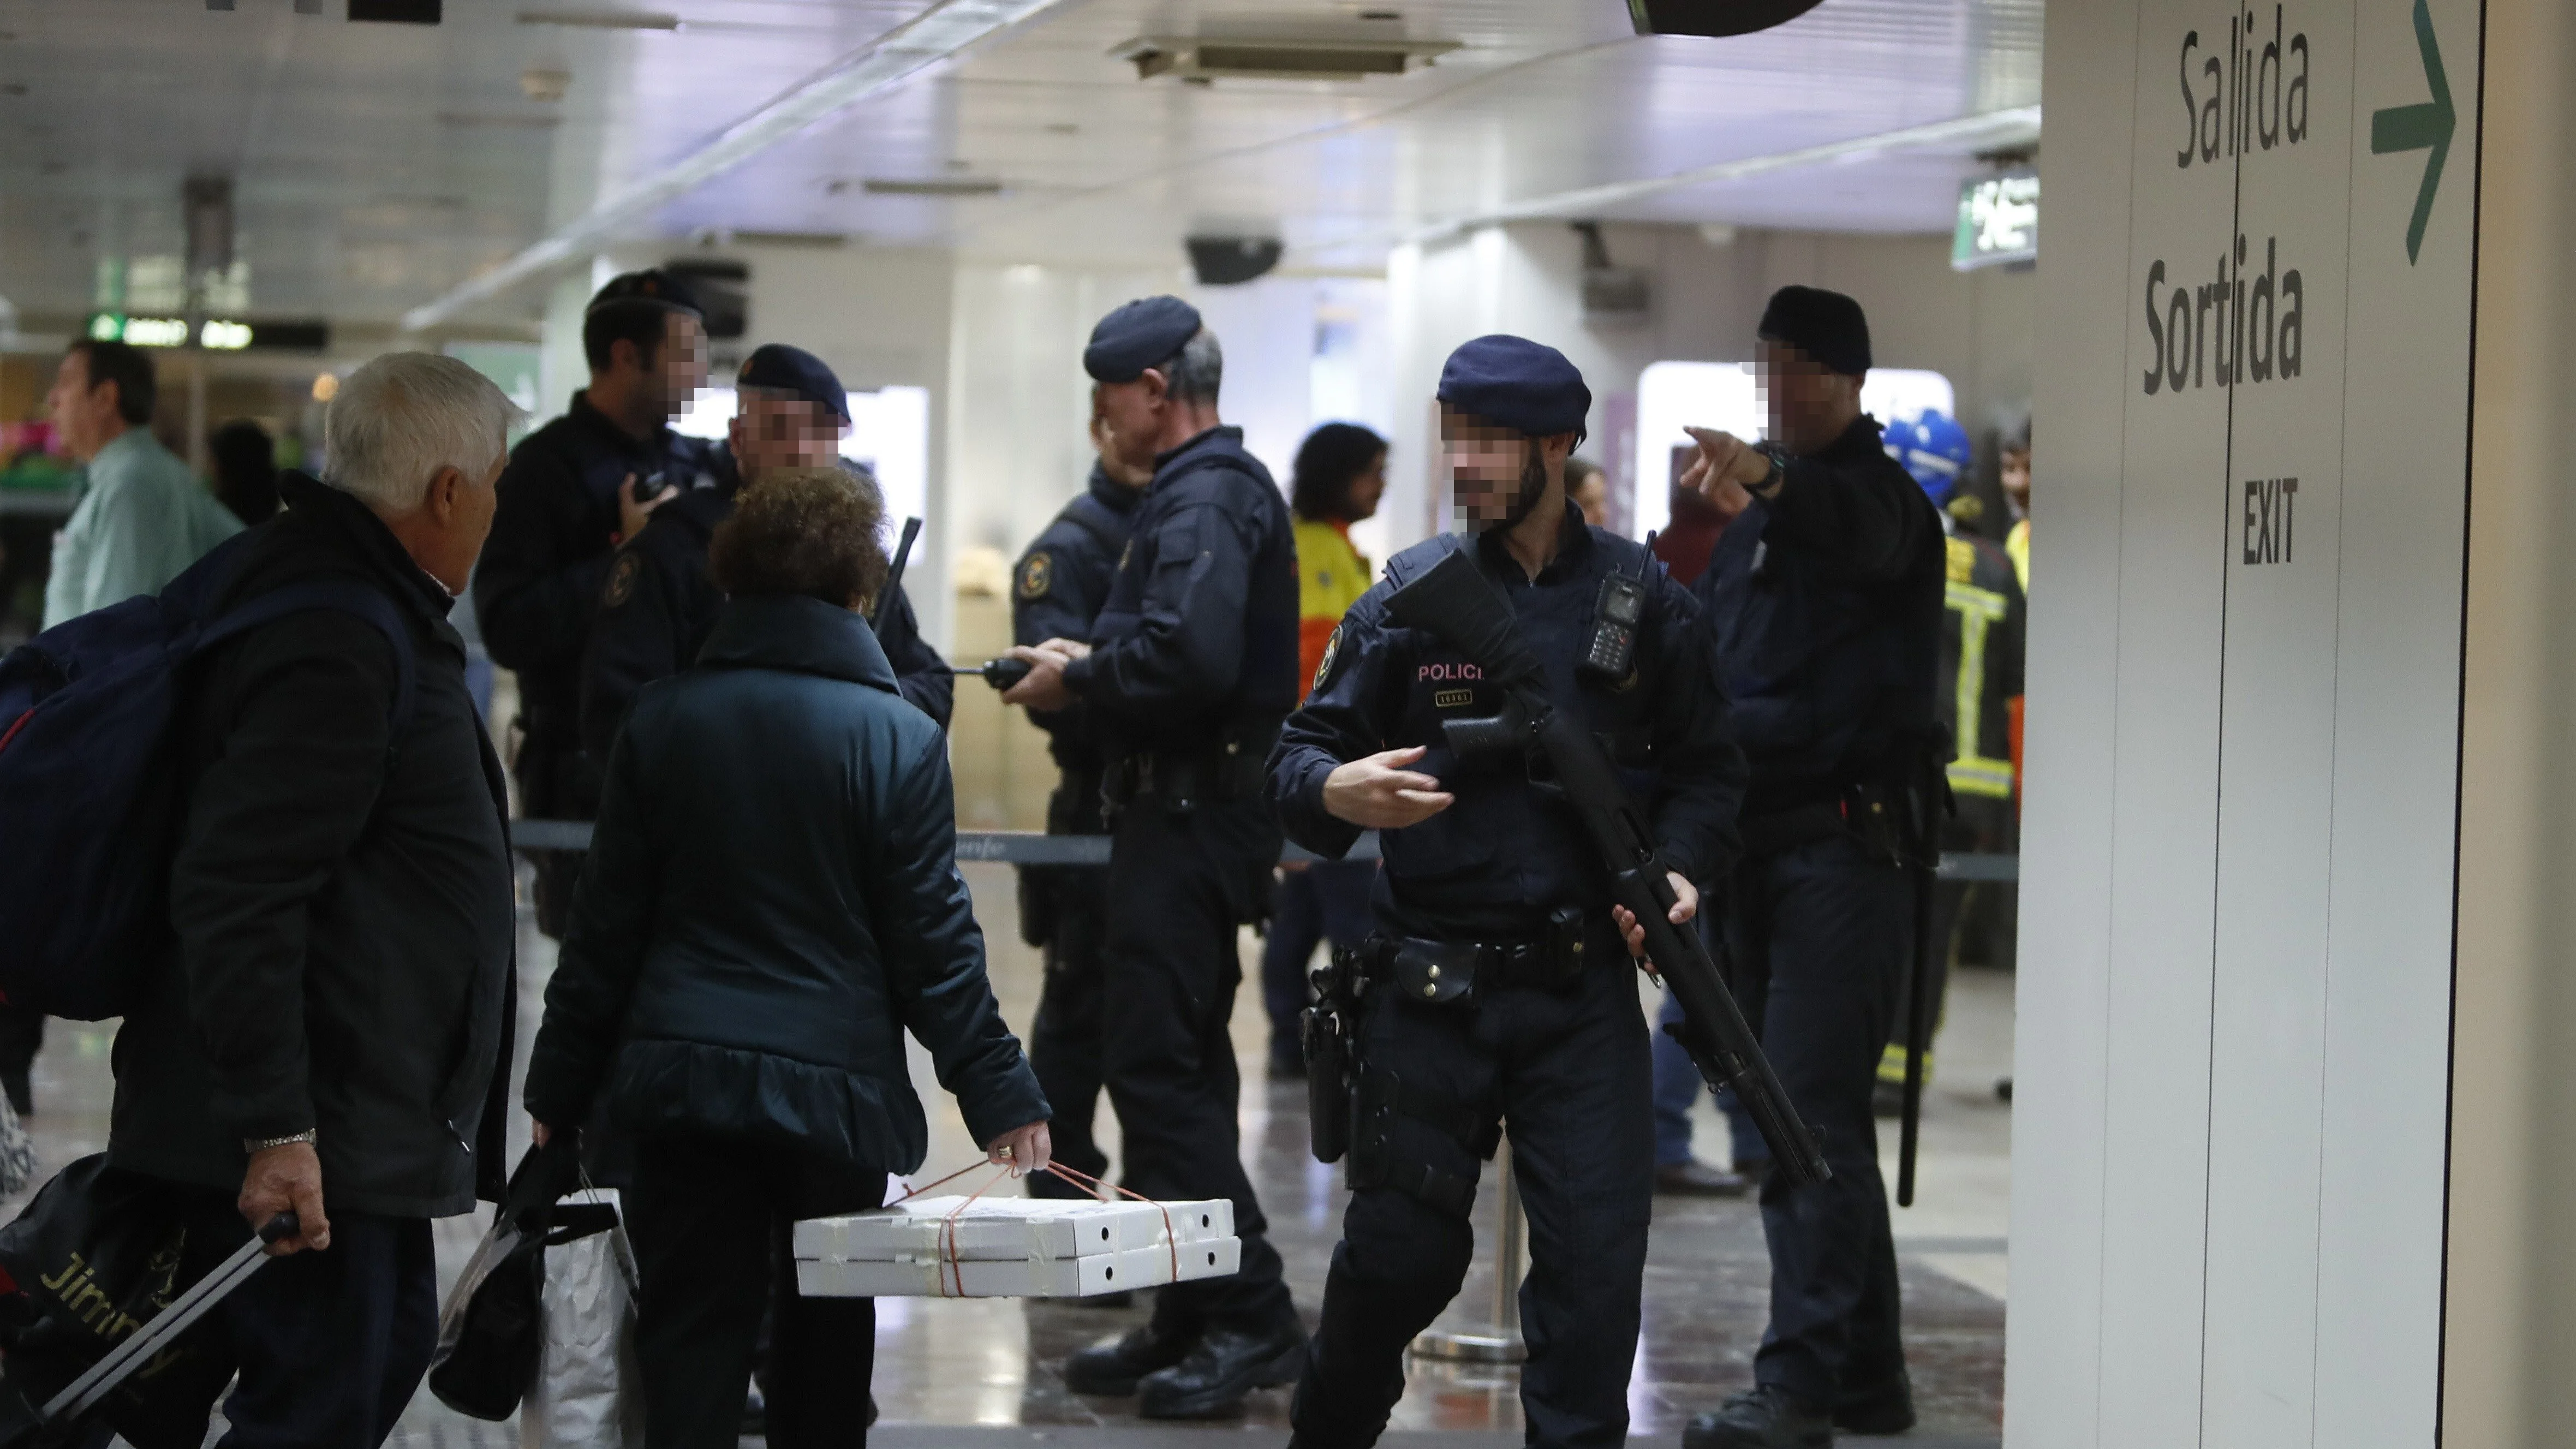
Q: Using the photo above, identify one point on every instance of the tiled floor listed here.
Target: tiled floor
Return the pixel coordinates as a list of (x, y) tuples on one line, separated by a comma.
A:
[(970, 1374)]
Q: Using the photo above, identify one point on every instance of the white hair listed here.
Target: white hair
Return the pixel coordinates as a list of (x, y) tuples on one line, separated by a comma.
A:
[(400, 419)]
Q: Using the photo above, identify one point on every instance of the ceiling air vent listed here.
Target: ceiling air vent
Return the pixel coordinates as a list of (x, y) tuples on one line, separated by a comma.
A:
[(1207, 58)]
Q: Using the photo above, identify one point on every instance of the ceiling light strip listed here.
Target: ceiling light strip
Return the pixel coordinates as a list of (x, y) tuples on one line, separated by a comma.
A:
[(933, 36), (2018, 123)]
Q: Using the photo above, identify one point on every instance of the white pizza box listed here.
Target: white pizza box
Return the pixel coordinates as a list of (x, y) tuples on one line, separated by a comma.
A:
[(1010, 1228), (1077, 1277)]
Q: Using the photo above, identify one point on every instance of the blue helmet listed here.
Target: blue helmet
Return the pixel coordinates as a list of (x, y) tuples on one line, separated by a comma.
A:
[(1934, 449)]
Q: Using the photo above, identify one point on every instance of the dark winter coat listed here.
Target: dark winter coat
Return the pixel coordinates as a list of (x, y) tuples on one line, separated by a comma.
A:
[(771, 901), (342, 897)]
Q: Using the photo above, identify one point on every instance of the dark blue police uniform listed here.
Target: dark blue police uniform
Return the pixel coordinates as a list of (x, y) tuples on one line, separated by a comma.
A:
[(1825, 605), (537, 586), (1563, 1062), (1193, 664), (658, 607), (1057, 590)]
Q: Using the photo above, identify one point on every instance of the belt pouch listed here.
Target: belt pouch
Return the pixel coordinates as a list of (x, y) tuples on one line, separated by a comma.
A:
[(1433, 973)]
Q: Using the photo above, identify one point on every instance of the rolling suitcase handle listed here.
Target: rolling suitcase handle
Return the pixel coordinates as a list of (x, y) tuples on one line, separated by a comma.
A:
[(139, 1346)]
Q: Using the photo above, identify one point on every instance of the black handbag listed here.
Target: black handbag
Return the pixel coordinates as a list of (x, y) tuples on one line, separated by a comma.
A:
[(491, 1330), (97, 1255)]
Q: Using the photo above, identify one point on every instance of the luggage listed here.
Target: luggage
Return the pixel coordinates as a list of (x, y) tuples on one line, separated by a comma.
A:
[(89, 789), (977, 1247), (25, 1421)]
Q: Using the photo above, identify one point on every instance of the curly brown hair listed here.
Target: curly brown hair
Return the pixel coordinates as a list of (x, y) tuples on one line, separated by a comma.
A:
[(808, 531)]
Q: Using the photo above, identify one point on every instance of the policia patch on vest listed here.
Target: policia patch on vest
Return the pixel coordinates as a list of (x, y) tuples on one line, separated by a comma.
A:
[(622, 576), (1037, 575)]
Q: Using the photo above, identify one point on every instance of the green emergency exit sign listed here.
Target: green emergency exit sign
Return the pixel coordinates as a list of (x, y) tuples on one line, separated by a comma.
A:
[(1998, 221)]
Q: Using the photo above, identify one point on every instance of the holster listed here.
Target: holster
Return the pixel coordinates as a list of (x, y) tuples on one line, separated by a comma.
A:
[(1072, 810), (1330, 1032), (1384, 1095)]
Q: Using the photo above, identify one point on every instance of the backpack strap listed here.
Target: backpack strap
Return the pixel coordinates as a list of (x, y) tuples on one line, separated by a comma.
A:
[(345, 596)]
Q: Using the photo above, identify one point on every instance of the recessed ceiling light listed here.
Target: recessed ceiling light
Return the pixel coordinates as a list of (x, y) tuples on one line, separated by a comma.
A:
[(601, 19)]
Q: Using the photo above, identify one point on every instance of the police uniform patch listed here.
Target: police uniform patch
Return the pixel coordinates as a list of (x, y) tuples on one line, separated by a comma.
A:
[(622, 576), (1324, 666), (1037, 575)]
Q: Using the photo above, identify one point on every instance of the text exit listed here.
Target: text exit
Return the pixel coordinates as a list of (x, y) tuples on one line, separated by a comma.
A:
[(2271, 506)]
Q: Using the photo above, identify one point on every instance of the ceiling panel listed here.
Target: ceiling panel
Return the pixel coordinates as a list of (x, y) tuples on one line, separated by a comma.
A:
[(379, 165)]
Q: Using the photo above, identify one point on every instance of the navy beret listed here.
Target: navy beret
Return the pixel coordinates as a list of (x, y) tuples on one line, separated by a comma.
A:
[(1138, 336), (1517, 383), (1826, 326), (793, 370), (655, 288)]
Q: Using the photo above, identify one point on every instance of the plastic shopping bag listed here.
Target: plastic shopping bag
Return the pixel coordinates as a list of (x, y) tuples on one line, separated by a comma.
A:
[(587, 1390)]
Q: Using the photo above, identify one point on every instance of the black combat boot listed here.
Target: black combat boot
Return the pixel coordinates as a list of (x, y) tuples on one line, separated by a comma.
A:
[(1766, 1417), (1225, 1366), (1114, 1367), (1886, 1407)]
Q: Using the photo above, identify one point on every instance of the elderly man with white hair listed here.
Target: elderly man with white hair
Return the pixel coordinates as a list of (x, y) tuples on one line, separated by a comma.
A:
[(329, 1033)]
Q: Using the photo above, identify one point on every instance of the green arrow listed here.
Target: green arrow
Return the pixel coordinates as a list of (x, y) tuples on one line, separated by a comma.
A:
[(2416, 128)]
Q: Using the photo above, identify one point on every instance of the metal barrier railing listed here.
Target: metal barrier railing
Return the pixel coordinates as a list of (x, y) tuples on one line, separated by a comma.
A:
[(1029, 847)]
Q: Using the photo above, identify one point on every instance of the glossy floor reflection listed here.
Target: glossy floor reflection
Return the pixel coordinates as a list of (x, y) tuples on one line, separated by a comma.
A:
[(962, 1374)]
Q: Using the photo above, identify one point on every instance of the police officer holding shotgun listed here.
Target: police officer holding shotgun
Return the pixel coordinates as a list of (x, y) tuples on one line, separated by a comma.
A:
[(1825, 599), (1498, 993)]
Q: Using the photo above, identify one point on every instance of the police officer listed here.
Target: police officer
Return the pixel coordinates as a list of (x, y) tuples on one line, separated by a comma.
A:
[(1057, 589), (1981, 672), (1824, 598), (658, 605), (1190, 668), (1493, 897), (572, 490)]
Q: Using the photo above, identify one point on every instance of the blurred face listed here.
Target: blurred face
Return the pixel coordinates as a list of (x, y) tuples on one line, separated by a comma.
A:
[(774, 430), (1367, 489), (1496, 473), (2016, 478), (1808, 403), (85, 414), (679, 368), (1116, 467), (1132, 413)]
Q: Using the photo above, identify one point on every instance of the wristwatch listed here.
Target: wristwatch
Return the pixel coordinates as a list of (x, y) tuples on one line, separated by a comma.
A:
[(256, 1145), (1779, 457)]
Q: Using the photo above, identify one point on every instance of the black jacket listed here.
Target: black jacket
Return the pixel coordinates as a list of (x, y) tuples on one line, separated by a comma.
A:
[(1826, 605), (538, 582), (658, 607), (1197, 641), (771, 901), (1499, 859), (1057, 589), (342, 897)]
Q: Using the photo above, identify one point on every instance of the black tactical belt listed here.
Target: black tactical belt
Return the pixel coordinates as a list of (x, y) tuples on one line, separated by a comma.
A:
[(1444, 973)]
